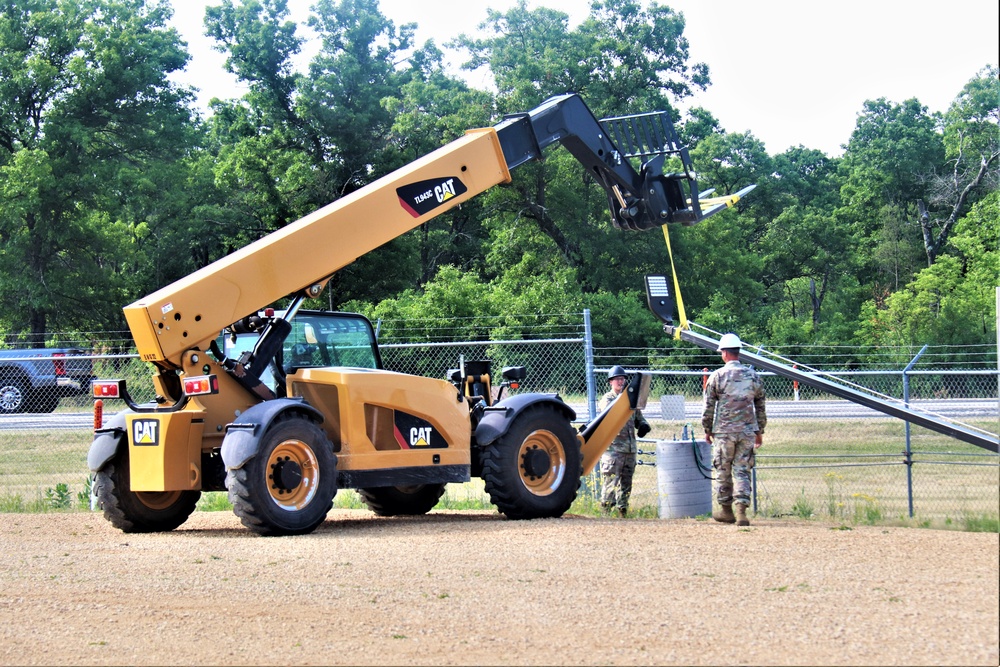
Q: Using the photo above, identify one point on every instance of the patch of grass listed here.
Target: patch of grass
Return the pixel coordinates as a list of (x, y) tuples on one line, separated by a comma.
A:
[(348, 499), (83, 497), (11, 503), (214, 501), (866, 509), (802, 508), (469, 495), (60, 497), (983, 523), (644, 512), (54, 499)]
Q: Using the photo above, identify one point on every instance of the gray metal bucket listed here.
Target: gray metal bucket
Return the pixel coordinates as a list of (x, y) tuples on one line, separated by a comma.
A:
[(684, 481)]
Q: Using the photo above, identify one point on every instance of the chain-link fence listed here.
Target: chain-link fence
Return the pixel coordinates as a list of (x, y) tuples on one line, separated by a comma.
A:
[(822, 456)]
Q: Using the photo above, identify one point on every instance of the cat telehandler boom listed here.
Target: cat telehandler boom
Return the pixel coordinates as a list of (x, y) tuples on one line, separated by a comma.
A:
[(307, 408)]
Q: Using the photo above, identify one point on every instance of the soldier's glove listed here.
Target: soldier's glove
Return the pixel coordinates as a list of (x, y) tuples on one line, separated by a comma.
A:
[(643, 430)]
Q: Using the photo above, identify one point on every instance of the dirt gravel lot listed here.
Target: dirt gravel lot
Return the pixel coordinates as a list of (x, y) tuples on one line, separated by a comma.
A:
[(474, 588)]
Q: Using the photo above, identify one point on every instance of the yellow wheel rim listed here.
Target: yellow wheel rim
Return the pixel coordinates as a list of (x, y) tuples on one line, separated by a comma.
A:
[(158, 500), (292, 475), (542, 462)]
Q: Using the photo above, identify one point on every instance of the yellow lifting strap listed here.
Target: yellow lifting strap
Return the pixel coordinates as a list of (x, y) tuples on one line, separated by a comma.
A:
[(677, 288)]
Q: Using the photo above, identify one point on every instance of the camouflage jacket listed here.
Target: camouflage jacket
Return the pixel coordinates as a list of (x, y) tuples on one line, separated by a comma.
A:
[(625, 441), (734, 401)]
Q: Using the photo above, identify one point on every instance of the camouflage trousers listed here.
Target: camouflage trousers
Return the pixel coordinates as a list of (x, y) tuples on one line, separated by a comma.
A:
[(733, 459), (617, 470)]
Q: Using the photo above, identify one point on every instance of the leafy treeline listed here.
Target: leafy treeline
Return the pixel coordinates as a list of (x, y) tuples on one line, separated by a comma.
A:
[(112, 184)]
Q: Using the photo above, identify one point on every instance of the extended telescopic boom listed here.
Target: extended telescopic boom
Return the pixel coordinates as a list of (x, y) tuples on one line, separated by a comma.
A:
[(299, 259)]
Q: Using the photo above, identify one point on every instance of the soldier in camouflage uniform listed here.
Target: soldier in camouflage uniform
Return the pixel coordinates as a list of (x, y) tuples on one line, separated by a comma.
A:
[(734, 417), (618, 462)]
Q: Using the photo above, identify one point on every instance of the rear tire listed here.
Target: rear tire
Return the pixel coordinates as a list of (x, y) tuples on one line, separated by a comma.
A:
[(402, 500), (139, 511), (287, 487), (533, 471)]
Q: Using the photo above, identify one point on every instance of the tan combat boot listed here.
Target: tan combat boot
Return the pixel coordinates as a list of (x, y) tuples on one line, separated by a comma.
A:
[(741, 515), (724, 515)]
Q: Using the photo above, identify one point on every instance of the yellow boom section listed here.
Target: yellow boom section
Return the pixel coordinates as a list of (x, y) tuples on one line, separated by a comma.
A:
[(190, 312)]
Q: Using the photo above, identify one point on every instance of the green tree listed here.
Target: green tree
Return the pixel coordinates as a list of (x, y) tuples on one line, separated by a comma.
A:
[(951, 302), (700, 123), (972, 144), (88, 117), (720, 260), (429, 110), (892, 150), (297, 142), (622, 59), (805, 243)]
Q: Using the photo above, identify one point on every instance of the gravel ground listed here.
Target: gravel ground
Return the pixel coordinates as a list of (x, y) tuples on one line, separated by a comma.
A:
[(474, 588)]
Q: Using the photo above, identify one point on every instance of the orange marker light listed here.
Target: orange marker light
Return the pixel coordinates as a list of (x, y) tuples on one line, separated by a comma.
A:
[(200, 385), (107, 388)]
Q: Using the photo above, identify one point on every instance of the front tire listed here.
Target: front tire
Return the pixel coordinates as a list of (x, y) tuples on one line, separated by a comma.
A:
[(402, 500), (139, 511), (533, 470), (287, 487)]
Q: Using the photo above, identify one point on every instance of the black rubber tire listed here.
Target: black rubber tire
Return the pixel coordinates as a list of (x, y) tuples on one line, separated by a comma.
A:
[(402, 500), (270, 507), (13, 394), (139, 511), (524, 484)]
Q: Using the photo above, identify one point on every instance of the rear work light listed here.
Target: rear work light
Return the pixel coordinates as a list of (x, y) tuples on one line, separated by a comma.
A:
[(201, 385), (108, 388)]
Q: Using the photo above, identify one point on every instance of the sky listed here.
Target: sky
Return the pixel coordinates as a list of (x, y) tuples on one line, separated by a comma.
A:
[(791, 72)]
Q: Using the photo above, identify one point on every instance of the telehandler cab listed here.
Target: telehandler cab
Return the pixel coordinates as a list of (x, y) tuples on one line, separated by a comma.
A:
[(307, 409)]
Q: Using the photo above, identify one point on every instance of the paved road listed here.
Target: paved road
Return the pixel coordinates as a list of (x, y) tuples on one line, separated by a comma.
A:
[(55, 421), (952, 409)]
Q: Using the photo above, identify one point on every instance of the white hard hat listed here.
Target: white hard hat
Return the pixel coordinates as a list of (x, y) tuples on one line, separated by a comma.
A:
[(730, 341)]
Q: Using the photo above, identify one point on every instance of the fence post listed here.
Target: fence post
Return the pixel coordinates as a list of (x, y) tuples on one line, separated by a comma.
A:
[(909, 456), (588, 355)]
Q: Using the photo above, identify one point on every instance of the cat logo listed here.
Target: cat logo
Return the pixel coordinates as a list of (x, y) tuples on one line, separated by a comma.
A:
[(420, 437), (423, 197), (146, 433), (413, 432), (445, 191)]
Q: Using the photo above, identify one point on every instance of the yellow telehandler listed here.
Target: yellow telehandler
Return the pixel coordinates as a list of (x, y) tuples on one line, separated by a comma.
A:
[(307, 408)]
